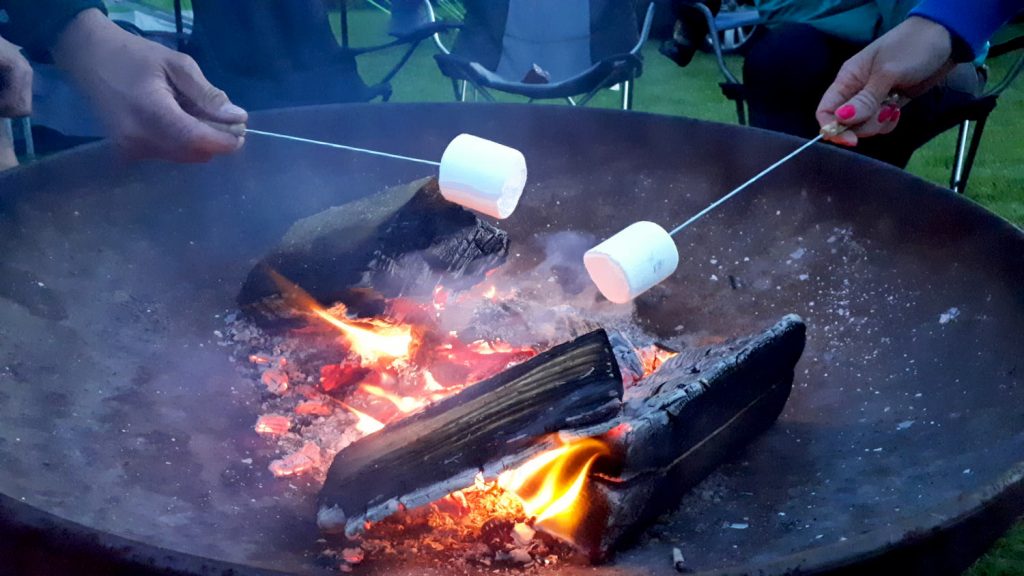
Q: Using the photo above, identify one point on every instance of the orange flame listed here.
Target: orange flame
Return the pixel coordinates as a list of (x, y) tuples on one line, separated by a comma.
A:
[(653, 356), (364, 422), (550, 485), (405, 404), (372, 340)]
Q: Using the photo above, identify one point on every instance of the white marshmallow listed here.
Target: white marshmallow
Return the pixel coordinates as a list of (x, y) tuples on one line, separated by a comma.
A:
[(482, 175), (632, 261)]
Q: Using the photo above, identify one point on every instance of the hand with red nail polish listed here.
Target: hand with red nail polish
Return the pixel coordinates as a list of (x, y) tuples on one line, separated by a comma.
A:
[(909, 59)]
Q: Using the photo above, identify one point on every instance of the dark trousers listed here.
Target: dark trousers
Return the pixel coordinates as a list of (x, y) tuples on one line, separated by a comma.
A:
[(789, 67)]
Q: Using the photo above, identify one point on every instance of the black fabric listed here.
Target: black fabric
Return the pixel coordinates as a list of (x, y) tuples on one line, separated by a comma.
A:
[(483, 31), (36, 24), (614, 28), (274, 53), (790, 66)]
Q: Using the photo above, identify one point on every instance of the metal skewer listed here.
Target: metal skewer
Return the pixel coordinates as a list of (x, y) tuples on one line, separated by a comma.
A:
[(743, 186), (343, 147)]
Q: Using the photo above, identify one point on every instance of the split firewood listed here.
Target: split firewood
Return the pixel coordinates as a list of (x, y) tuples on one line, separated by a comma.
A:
[(441, 449), (670, 430), (400, 241), (677, 425)]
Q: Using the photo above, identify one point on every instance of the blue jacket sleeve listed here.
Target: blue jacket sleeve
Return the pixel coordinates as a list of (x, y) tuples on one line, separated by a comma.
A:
[(972, 21), (36, 24)]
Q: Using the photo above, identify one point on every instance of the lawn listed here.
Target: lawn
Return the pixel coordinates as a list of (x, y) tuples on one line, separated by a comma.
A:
[(997, 181)]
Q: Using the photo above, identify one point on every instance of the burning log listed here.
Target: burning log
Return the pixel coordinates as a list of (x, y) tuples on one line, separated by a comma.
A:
[(671, 429), (684, 420), (440, 450), (401, 241)]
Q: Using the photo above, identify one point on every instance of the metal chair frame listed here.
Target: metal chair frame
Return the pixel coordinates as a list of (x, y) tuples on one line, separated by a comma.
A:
[(463, 88)]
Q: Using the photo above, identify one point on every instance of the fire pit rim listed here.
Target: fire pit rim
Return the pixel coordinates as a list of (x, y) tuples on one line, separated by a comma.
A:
[(995, 501)]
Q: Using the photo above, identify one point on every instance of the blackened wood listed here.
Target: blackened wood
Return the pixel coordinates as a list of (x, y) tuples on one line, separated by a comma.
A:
[(696, 412), (400, 241), (571, 385)]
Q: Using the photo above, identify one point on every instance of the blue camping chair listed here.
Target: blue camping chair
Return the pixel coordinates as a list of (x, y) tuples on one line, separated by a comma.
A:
[(547, 49)]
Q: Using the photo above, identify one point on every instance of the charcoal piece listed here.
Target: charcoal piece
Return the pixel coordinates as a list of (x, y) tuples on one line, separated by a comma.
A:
[(437, 451), (402, 241)]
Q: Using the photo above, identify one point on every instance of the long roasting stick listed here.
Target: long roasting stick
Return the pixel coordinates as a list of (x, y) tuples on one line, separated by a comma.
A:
[(343, 147), (743, 186), (643, 254)]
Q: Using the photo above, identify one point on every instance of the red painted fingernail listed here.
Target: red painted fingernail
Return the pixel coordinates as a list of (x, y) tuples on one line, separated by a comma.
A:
[(846, 112), (886, 114), (895, 115)]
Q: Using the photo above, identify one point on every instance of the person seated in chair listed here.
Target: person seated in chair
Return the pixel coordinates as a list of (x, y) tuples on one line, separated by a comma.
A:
[(274, 53), (800, 51)]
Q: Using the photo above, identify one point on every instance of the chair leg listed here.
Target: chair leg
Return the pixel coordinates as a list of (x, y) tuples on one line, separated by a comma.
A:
[(972, 152), (741, 112), (627, 95), (957, 182), (26, 134), (464, 92), (8, 158)]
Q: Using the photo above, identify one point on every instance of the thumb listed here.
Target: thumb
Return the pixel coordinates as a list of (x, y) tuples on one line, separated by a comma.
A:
[(865, 104), (197, 96)]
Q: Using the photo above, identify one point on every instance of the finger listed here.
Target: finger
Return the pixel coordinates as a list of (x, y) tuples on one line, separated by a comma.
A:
[(173, 134), (198, 96), (15, 87), (891, 123), (864, 106), (847, 138), (233, 129), (847, 83)]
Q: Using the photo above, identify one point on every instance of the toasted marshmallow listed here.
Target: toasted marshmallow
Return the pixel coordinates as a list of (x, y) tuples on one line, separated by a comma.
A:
[(482, 175), (632, 261)]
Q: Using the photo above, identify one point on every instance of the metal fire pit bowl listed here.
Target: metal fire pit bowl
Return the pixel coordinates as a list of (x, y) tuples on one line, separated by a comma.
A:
[(124, 427)]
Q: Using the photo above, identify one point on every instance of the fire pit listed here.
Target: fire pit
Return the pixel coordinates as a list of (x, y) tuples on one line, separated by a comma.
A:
[(124, 419)]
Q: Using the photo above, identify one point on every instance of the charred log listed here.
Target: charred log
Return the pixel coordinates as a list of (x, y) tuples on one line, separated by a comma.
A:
[(670, 431), (696, 412), (400, 241), (441, 449)]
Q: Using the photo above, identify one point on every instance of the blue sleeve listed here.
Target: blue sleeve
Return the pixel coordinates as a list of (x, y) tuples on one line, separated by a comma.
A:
[(973, 21)]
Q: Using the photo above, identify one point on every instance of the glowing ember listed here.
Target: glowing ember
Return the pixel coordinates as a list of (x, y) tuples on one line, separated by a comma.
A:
[(430, 384), (273, 424), (306, 459), (373, 340), (653, 356), (487, 348), (550, 485), (364, 422), (275, 380), (405, 404), (313, 408)]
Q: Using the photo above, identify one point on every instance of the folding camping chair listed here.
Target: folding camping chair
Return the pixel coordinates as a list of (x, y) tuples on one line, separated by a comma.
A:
[(544, 49)]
